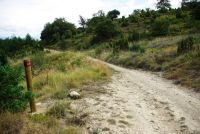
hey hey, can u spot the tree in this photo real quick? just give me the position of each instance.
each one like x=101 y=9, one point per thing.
x=94 y=21
x=113 y=14
x=193 y=6
x=82 y=22
x=184 y=3
x=28 y=39
x=59 y=29
x=163 y=5
x=106 y=30
x=195 y=9
x=16 y=46
x=100 y=13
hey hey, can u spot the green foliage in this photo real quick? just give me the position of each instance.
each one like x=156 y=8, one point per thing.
x=106 y=30
x=163 y=5
x=193 y=6
x=185 y=45
x=12 y=96
x=59 y=110
x=94 y=21
x=124 y=22
x=174 y=29
x=135 y=16
x=160 y=26
x=62 y=44
x=76 y=62
x=181 y=14
x=38 y=60
x=59 y=29
x=38 y=118
x=113 y=14
x=16 y=46
x=134 y=36
x=82 y=22
x=120 y=44
x=3 y=58
x=196 y=11
x=136 y=48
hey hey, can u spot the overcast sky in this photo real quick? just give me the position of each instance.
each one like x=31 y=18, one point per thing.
x=19 y=17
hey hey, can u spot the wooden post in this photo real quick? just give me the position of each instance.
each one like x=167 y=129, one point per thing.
x=27 y=65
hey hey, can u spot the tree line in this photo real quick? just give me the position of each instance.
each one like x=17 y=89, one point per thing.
x=151 y=23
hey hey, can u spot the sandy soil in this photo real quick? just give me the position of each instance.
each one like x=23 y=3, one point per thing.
x=139 y=102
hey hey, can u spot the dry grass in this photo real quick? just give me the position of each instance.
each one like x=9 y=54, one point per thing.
x=11 y=123
x=66 y=71
x=54 y=74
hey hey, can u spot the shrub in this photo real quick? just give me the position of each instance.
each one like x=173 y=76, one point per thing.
x=185 y=45
x=59 y=110
x=12 y=96
x=121 y=43
x=134 y=36
x=174 y=29
x=136 y=48
x=160 y=26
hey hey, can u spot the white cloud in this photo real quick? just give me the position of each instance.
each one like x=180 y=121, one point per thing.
x=19 y=17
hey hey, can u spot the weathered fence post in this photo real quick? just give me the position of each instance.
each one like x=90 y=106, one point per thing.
x=27 y=65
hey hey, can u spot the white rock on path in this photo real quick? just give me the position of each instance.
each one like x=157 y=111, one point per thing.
x=74 y=94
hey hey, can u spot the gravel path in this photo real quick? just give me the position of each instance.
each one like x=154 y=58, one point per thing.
x=140 y=102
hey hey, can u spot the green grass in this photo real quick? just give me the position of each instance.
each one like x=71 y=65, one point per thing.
x=59 y=110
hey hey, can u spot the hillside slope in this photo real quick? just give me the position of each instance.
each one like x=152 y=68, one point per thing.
x=160 y=54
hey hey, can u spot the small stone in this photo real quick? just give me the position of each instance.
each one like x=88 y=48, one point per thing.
x=38 y=104
x=74 y=95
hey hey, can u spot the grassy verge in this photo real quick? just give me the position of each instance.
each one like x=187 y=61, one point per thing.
x=54 y=75
x=159 y=54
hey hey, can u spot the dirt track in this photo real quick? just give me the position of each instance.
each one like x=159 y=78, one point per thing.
x=140 y=102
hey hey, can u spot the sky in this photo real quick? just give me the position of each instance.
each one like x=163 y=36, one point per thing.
x=19 y=17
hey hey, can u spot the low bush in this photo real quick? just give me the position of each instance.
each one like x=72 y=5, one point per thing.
x=59 y=110
x=120 y=44
x=136 y=48
x=160 y=26
x=134 y=36
x=185 y=45
x=12 y=96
